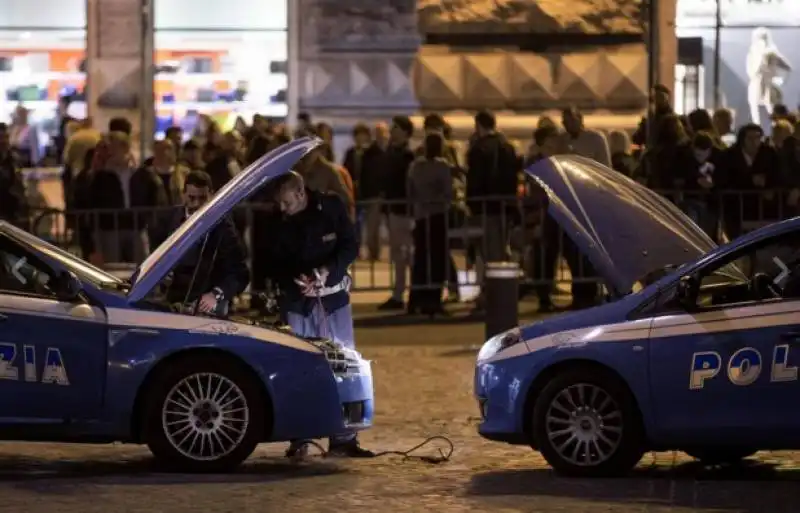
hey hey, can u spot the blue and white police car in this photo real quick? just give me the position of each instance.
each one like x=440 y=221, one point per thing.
x=86 y=357
x=697 y=348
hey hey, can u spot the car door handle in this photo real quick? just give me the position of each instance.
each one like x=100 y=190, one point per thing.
x=144 y=331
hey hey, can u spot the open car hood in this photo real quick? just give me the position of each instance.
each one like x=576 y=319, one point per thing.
x=161 y=261
x=624 y=229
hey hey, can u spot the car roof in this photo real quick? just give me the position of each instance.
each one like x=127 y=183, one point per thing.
x=787 y=225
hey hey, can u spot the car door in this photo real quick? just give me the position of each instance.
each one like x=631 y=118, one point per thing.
x=52 y=351
x=725 y=371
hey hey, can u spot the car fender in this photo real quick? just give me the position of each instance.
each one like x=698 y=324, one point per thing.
x=616 y=356
x=290 y=374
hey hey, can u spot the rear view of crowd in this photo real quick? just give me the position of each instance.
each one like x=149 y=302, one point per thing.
x=729 y=180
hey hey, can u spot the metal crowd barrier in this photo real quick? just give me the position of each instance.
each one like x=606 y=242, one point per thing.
x=454 y=241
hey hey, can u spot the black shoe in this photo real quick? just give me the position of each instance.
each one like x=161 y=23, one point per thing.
x=297 y=450
x=392 y=304
x=351 y=449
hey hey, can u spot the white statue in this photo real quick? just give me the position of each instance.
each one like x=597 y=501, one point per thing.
x=765 y=65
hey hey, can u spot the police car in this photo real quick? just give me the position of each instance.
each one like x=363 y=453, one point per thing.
x=703 y=360
x=86 y=357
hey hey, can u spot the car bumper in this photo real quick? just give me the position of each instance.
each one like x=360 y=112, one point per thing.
x=356 y=396
x=501 y=403
x=319 y=398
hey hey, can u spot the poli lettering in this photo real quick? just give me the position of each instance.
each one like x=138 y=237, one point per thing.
x=744 y=367
x=54 y=371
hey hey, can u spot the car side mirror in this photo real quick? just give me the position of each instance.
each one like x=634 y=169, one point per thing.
x=686 y=292
x=68 y=286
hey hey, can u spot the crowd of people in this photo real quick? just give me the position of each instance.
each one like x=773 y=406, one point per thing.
x=726 y=179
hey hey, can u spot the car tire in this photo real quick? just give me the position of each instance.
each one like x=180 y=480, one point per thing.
x=204 y=414
x=721 y=455
x=586 y=424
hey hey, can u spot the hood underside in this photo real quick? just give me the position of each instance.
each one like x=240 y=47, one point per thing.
x=625 y=230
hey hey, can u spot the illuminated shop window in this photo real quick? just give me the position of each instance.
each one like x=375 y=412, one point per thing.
x=221 y=58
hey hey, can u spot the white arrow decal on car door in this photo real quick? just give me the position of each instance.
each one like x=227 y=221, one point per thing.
x=16 y=268
x=784 y=271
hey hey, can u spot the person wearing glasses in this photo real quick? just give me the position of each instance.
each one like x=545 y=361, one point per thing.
x=214 y=271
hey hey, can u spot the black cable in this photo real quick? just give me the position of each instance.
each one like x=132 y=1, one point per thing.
x=444 y=455
x=194 y=275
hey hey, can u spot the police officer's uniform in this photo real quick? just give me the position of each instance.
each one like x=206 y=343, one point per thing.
x=320 y=236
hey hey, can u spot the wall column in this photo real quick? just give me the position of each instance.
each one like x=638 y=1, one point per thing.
x=293 y=62
x=119 y=66
x=667 y=43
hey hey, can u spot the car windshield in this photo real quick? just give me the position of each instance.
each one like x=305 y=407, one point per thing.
x=730 y=273
x=82 y=269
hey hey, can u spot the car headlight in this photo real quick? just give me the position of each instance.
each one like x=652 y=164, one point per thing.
x=499 y=342
x=342 y=359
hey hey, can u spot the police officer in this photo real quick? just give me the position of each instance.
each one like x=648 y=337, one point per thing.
x=214 y=271
x=311 y=250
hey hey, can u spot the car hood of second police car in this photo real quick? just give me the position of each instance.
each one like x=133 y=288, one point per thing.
x=275 y=163
x=625 y=230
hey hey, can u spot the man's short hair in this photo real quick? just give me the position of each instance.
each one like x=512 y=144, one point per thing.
x=198 y=179
x=290 y=180
x=746 y=129
x=779 y=110
x=783 y=124
x=723 y=114
x=173 y=130
x=433 y=122
x=486 y=120
x=703 y=140
x=120 y=125
x=361 y=129
x=542 y=134
x=405 y=124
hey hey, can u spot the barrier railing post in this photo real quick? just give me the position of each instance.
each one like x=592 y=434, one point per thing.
x=501 y=289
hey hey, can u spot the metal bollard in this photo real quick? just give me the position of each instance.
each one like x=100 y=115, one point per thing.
x=501 y=291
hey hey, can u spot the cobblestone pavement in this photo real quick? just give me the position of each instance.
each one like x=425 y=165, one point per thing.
x=423 y=388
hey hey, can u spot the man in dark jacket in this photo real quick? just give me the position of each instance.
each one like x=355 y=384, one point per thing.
x=370 y=189
x=751 y=169
x=660 y=106
x=492 y=167
x=399 y=157
x=214 y=271
x=12 y=191
x=354 y=156
x=312 y=248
